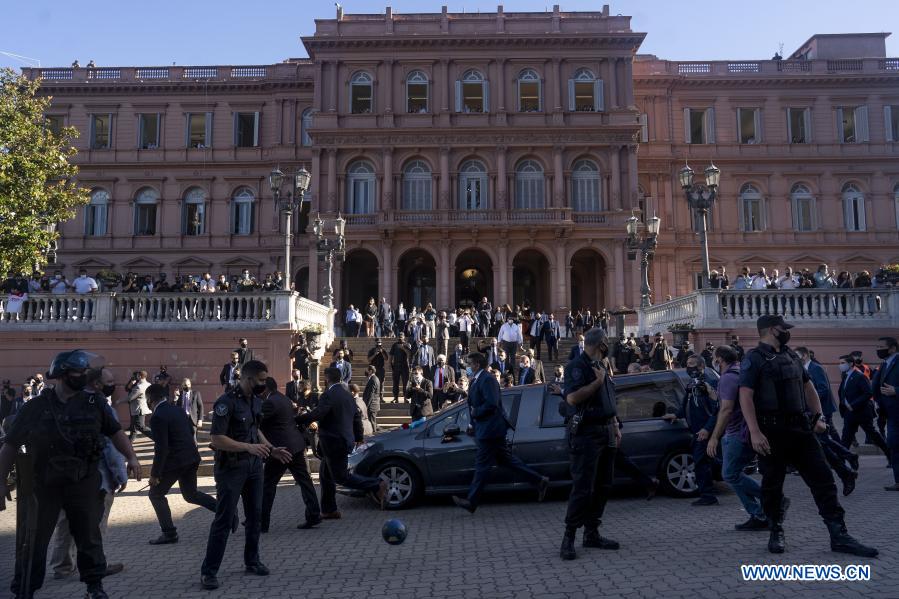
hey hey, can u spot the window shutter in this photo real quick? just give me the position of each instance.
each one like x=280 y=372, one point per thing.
x=807 y=119
x=255 y=129
x=862 y=226
x=888 y=123
x=109 y=138
x=861 y=123
x=789 y=128
x=840 y=137
x=208 y=134
x=158 y=130
x=709 y=126
x=794 y=203
x=644 y=127
x=599 y=98
x=572 y=105
x=486 y=85
x=687 y=138
x=234 y=120
x=847 y=213
x=140 y=130
x=540 y=95
x=458 y=96
x=757 y=117
x=93 y=132
x=187 y=130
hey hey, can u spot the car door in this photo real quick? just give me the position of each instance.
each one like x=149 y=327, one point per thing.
x=450 y=462
x=539 y=438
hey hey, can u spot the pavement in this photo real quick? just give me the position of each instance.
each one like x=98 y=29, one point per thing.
x=509 y=548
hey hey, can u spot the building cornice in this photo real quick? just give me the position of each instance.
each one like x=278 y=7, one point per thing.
x=605 y=136
x=730 y=81
x=630 y=41
x=174 y=87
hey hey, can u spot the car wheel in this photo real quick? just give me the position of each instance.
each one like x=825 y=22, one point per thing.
x=404 y=485
x=678 y=474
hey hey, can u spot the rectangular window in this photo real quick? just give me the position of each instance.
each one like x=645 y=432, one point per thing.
x=148 y=131
x=101 y=129
x=145 y=219
x=360 y=99
x=803 y=210
x=799 y=125
x=246 y=129
x=242 y=219
x=55 y=123
x=640 y=402
x=855 y=213
x=852 y=124
x=473 y=97
x=748 y=121
x=417 y=97
x=891 y=122
x=529 y=96
x=752 y=215
x=199 y=130
x=699 y=125
x=95 y=220
x=583 y=96
x=194 y=218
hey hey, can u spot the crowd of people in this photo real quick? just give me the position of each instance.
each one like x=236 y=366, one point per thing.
x=822 y=278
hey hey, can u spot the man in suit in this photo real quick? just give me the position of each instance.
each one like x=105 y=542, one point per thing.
x=345 y=368
x=293 y=389
x=490 y=422
x=400 y=353
x=485 y=312
x=442 y=334
x=526 y=375
x=379 y=358
x=424 y=358
x=280 y=428
x=137 y=404
x=244 y=353
x=456 y=361
x=537 y=367
x=419 y=394
x=490 y=348
x=576 y=349
x=442 y=375
x=885 y=384
x=371 y=395
x=552 y=334
x=503 y=364
x=228 y=376
x=191 y=401
x=339 y=429
x=855 y=397
x=175 y=458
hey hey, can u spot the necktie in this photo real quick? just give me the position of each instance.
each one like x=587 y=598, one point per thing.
x=440 y=379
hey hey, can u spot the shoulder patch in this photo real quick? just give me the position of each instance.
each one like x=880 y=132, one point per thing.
x=221 y=409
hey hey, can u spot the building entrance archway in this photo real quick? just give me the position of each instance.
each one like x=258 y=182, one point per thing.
x=530 y=280
x=359 y=280
x=474 y=277
x=417 y=279
x=587 y=285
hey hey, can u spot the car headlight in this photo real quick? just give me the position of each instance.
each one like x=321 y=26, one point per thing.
x=359 y=449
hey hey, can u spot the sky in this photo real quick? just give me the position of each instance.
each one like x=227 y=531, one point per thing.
x=228 y=32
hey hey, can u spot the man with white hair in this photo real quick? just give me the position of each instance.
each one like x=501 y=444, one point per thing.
x=443 y=374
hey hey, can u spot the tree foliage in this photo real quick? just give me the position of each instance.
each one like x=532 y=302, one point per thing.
x=37 y=187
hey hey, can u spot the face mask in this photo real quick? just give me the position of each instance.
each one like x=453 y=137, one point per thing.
x=580 y=344
x=883 y=354
x=417 y=378
x=186 y=389
x=108 y=390
x=522 y=365
x=844 y=367
x=469 y=372
x=693 y=372
x=244 y=345
x=783 y=337
x=76 y=382
x=258 y=389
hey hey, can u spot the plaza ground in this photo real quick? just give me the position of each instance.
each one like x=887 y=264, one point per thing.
x=509 y=548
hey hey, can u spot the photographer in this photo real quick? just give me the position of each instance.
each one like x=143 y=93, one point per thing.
x=660 y=355
x=700 y=410
x=593 y=439
x=419 y=393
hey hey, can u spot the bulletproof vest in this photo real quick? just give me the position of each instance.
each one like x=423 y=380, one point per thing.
x=70 y=439
x=780 y=386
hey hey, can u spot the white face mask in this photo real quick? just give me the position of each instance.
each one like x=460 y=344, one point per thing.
x=580 y=344
x=417 y=378
x=523 y=365
x=844 y=367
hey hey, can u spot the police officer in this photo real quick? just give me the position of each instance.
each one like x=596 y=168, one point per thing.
x=776 y=394
x=593 y=439
x=61 y=431
x=240 y=449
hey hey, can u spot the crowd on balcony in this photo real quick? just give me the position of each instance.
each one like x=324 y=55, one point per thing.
x=822 y=278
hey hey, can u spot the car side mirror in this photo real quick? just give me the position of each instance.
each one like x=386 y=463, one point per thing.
x=450 y=433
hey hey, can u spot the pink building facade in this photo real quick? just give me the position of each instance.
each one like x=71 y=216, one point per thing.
x=493 y=154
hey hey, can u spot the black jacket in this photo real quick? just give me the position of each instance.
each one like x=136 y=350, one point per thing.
x=339 y=420
x=372 y=394
x=292 y=391
x=173 y=438
x=279 y=423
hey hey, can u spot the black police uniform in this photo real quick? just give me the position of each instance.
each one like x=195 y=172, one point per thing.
x=237 y=474
x=592 y=448
x=64 y=441
x=778 y=381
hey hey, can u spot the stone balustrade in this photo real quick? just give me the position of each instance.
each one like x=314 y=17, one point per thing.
x=732 y=308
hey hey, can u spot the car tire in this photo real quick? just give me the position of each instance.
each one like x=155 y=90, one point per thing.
x=677 y=474
x=404 y=483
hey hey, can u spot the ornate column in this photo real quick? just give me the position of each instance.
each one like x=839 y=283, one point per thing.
x=444 y=185
x=561 y=284
x=504 y=296
x=331 y=204
x=388 y=86
x=501 y=181
x=558 y=200
x=620 y=297
x=386 y=270
x=632 y=174
x=615 y=178
x=316 y=183
x=387 y=184
x=332 y=101
x=501 y=85
x=318 y=82
x=628 y=82
x=443 y=274
x=608 y=70
x=446 y=91
x=314 y=267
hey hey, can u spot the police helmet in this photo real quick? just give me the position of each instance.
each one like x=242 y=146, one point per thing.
x=76 y=359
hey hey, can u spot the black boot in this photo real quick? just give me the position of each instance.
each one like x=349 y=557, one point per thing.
x=95 y=591
x=776 y=541
x=842 y=542
x=849 y=482
x=567 y=551
x=592 y=538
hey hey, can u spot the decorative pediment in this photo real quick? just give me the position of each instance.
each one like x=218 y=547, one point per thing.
x=806 y=260
x=142 y=263
x=241 y=262
x=92 y=263
x=192 y=263
x=755 y=260
x=859 y=259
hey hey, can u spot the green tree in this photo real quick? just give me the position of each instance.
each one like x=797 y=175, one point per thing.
x=37 y=187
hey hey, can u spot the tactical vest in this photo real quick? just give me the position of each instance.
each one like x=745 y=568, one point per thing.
x=780 y=387
x=71 y=440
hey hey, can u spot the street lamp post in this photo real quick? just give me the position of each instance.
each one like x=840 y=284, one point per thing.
x=330 y=249
x=701 y=197
x=646 y=245
x=287 y=203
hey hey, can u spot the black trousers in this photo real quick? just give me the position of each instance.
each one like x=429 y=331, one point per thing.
x=592 y=454
x=381 y=374
x=463 y=340
x=138 y=423
x=552 y=348
x=495 y=452
x=187 y=482
x=83 y=505
x=333 y=470
x=240 y=480
x=835 y=454
x=862 y=418
x=272 y=473
x=796 y=445
x=626 y=467
x=400 y=380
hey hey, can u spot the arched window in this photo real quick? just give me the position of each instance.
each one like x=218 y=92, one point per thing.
x=305 y=126
x=854 y=207
x=194 y=212
x=242 y=213
x=803 y=204
x=752 y=210
x=416 y=92
x=472 y=92
x=95 y=213
x=585 y=92
x=529 y=186
x=473 y=186
x=417 y=186
x=361 y=93
x=530 y=98
x=360 y=188
x=586 y=191
x=145 y=203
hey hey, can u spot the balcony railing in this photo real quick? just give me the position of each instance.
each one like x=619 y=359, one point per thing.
x=731 y=308
x=774 y=68
x=174 y=73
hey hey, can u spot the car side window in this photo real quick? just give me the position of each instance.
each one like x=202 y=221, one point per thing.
x=438 y=427
x=552 y=411
x=510 y=405
x=649 y=400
